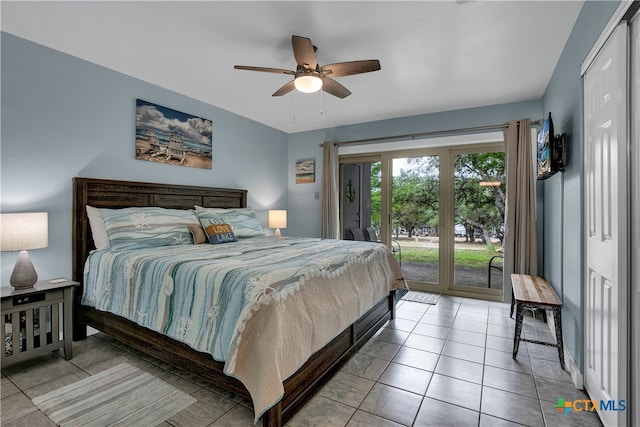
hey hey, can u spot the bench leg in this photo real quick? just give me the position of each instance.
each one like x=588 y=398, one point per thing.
x=557 y=319
x=513 y=301
x=518 y=331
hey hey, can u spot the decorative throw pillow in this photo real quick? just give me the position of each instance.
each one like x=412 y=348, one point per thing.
x=220 y=233
x=198 y=234
x=98 y=229
x=135 y=228
x=243 y=221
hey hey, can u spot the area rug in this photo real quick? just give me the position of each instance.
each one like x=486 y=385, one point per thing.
x=421 y=297
x=121 y=396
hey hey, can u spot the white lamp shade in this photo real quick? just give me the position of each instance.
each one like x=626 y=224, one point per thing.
x=277 y=219
x=24 y=231
x=308 y=83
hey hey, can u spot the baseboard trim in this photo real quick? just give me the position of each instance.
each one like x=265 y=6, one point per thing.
x=576 y=375
x=570 y=364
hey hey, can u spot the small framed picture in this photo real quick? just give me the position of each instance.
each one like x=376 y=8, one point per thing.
x=305 y=171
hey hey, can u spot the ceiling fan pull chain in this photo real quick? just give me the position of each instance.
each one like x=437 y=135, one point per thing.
x=294 y=107
x=321 y=109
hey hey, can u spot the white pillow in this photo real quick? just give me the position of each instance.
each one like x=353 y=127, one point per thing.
x=98 y=229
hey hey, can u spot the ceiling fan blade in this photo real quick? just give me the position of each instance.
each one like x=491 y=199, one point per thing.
x=264 y=69
x=334 y=88
x=284 y=89
x=304 y=53
x=341 y=69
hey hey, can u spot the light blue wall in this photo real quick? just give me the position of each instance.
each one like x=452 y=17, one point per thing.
x=563 y=201
x=304 y=211
x=303 y=217
x=64 y=117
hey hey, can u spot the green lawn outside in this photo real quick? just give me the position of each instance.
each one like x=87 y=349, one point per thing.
x=478 y=258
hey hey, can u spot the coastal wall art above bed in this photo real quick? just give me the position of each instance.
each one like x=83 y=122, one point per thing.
x=168 y=136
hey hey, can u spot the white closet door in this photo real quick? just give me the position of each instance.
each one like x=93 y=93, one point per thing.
x=635 y=217
x=606 y=180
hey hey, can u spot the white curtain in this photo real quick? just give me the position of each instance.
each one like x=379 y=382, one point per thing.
x=520 y=239
x=329 y=199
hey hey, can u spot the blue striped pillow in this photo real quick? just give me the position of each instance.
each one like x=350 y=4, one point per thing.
x=243 y=221
x=135 y=228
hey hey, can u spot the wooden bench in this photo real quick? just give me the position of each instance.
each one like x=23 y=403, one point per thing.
x=535 y=292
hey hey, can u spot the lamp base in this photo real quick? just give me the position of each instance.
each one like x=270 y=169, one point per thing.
x=277 y=233
x=24 y=275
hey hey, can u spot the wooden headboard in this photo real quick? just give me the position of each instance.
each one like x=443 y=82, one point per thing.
x=101 y=193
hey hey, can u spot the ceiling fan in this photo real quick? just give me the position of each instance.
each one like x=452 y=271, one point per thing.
x=310 y=77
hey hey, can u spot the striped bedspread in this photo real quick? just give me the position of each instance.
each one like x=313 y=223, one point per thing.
x=262 y=305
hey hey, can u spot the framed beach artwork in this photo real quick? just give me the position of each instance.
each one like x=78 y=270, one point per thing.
x=305 y=171
x=168 y=136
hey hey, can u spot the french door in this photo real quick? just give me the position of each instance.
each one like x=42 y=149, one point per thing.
x=441 y=210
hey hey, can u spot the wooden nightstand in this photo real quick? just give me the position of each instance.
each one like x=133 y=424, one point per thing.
x=31 y=320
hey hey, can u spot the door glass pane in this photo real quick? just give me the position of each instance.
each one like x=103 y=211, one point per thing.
x=351 y=196
x=479 y=187
x=415 y=216
x=360 y=200
x=376 y=197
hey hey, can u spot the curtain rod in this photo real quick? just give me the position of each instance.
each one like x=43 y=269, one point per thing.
x=432 y=133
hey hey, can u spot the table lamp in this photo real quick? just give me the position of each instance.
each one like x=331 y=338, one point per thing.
x=21 y=232
x=277 y=220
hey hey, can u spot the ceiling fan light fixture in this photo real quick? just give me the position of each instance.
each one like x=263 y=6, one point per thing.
x=308 y=83
x=309 y=76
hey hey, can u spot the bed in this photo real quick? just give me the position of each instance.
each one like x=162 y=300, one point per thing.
x=298 y=386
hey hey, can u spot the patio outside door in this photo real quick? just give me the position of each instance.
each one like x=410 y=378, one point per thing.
x=441 y=210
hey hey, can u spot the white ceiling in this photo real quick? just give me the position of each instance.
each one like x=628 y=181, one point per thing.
x=435 y=55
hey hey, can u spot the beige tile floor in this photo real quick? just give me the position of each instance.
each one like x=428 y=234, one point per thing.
x=434 y=365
